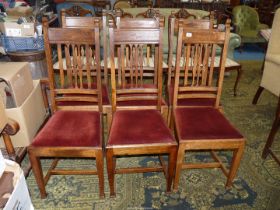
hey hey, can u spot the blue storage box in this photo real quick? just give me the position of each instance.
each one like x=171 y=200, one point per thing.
x=12 y=44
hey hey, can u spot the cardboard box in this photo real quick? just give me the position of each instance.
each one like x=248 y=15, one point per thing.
x=19 y=79
x=30 y=116
x=12 y=28
x=19 y=198
x=20 y=11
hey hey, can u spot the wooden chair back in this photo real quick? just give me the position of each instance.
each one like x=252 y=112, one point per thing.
x=173 y=25
x=78 y=81
x=149 y=13
x=141 y=3
x=182 y=13
x=122 y=14
x=75 y=11
x=115 y=16
x=120 y=4
x=76 y=21
x=129 y=40
x=196 y=50
x=88 y=22
x=78 y=11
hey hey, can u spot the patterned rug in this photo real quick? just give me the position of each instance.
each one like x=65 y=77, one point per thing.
x=257 y=184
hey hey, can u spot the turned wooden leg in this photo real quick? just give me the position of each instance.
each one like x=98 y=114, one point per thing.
x=11 y=128
x=257 y=95
x=9 y=146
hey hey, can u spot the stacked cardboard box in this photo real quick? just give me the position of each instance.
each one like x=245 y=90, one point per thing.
x=29 y=110
x=11 y=28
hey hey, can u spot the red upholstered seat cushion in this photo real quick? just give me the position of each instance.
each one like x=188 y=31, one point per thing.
x=139 y=127
x=203 y=123
x=71 y=129
x=189 y=101
x=105 y=99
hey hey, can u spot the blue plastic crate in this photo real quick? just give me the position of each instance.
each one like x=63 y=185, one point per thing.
x=12 y=44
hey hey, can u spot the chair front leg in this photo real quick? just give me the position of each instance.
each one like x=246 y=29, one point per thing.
x=179 y=162
x=111 y=171
x=100 y=173
x=237 y=155
x=38 y=173
x=171 y=168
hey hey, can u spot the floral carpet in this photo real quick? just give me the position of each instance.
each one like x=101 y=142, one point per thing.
x=257 y=184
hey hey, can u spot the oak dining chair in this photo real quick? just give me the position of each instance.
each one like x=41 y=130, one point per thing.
x=75 y=129
x=138 y=127
x=203 y=129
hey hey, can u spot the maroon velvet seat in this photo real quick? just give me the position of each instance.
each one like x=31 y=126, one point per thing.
x=86 y=123
x=74 y=129
x=132 y=127
x=206 y=123
x=202 y=128
x=138 y=127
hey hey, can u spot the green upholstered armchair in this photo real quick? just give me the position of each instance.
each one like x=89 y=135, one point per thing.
x=247 y=25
